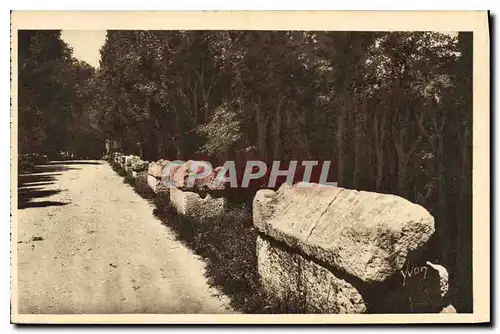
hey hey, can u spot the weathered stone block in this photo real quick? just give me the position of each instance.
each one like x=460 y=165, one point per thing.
x=131 y=160
x=364 y=249
x=156 y=184
x=140 y=166
x=448 y=309
x=151 y=181
x=117 y=157
x=368 y=235
x=128 y=169
x=202 y=180
x=156 y=168
x=296 y=284
x=193 y=205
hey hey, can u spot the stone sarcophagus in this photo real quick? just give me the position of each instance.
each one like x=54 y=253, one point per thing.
x=156 y=184
x=325 y=249
x=117 y=157
x=129 y=162
x=192 y=205
x=155 y=175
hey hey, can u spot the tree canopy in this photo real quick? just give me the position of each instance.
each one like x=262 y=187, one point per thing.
x=391 y=110
x=55 y=96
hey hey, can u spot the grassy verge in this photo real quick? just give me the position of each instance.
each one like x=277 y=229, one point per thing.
x=226 y=243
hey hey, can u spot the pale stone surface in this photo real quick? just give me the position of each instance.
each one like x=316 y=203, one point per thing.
x=152 y=181
x=156 y=184
x=365 y=234
x=156 y=168
x=303 y=286
x=210 y=182
x=155 y=176
x=117 y=157
x=191 y=204
x=296 y=283
x=371 y=242
x=140 y=166
x=131 y=159
x=448 y=309
x=172 y=171
x=443 y=277
x=263 y=206
x=180 y=175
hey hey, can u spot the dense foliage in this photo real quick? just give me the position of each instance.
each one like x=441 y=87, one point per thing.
x=55 y=97
x=391 y=110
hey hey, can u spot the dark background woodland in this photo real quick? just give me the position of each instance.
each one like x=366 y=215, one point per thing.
x=391 y=110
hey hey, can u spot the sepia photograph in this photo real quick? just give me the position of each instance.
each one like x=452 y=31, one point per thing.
x=213 y=165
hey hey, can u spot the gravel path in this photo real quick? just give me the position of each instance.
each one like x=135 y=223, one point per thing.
x=88 y=244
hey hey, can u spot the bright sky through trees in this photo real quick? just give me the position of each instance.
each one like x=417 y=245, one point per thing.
x=86 y=44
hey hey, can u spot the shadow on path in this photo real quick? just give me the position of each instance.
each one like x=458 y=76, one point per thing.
x=75 y=162
x=32 y=185
x=42 y=204
x=39 y=169
x=27 y=180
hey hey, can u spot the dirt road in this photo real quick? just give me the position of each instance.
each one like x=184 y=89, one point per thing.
x=88 y=244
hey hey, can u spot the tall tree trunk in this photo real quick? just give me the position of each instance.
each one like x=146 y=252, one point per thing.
x=177 y=135
x=402 y=161
x=464 y=222
x=402 y=175
x=340 y=143
x=160 y=151
x=380 y=132
x=444 y=224
x=357 y=145
x=262 y=121
x=277 y=130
